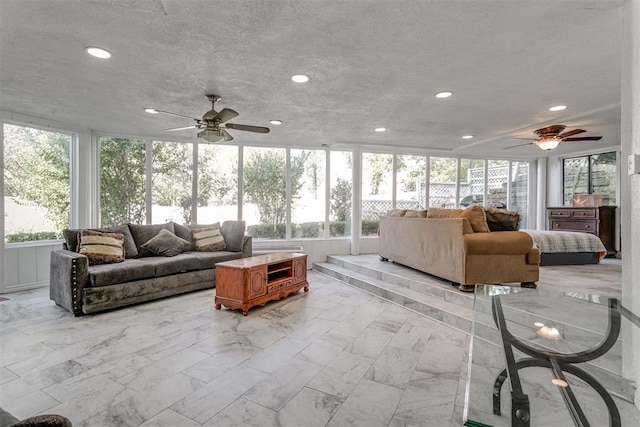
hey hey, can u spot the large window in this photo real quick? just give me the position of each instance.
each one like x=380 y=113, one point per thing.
x=519 y=199
x=217 y=183
x=122 y=181
x=265 y=191
x=442 y=182
x=308 y=194
x=171 y=182
x=341 y=167
x=377 y=190
x=594 y=174
x=411 y=179
x=472 y=182
x=37 y=189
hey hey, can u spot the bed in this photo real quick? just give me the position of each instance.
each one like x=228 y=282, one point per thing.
x=567 y=247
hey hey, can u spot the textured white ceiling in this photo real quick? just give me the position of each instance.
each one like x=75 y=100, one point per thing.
x=372 y=63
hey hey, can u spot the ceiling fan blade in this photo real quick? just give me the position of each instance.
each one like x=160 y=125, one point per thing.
x=571 y=133
x=176 y=114
x=584 y=138
x=225 y=115
x=519 y=145
x=248 y=128
x=181 y=128
x=227 y=135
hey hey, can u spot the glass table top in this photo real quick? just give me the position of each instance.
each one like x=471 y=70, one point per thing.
x=544 y=358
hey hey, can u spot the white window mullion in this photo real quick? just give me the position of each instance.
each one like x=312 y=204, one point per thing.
x=240 y=180
x=287 y=180
x=327 y=195
x=148 y=159
x=194 y=185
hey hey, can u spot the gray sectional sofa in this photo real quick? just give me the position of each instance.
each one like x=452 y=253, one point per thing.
x=143 y=276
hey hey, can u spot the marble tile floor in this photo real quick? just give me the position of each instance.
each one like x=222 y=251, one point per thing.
x=335 y=356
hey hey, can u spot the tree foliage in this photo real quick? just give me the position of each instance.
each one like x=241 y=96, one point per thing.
x=37 y=171
x=265 y=182
x=341 y=200
x=122 y=181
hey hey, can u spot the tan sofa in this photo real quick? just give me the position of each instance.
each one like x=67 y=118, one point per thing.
x=448 y=248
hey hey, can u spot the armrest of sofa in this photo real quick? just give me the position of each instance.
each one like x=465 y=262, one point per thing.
x=247 y=246
x=502 y=243
x=68 y=275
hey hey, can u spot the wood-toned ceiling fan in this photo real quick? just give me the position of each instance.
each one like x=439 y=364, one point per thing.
x=550 y=137
x=211 y=122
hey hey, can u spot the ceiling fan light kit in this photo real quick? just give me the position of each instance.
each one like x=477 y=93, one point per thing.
x=210 y=124
x=548 y=143
x=211 y=135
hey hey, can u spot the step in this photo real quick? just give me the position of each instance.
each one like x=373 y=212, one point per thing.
x=454 y=315
x=397 y=274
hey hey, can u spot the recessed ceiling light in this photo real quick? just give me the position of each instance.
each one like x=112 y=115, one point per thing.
x=300 y=78
x=558 y=108
x=151 y=110
x=98 y=53
x=467 y=137
x=380 y=129
x=444 y=94
x=275 y=122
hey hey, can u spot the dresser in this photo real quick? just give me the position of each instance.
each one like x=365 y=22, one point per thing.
x=600 y=221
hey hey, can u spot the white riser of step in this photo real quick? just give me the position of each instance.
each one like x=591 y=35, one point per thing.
x=438 y=288
x=432 y=307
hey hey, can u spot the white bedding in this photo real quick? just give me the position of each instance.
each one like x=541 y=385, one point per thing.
x=549 y=241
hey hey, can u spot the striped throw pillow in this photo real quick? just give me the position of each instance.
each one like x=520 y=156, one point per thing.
x=209 y=238
x=100 y=247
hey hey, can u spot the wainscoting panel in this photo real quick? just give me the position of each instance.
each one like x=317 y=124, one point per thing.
x=26 y=266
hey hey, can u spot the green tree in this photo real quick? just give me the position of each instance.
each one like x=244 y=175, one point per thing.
x=172 y=176
x=341 y=200
x=265 y=182
x=381 y=165
x=122 y=181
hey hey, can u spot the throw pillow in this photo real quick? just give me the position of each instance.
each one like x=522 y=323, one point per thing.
x=209 y=239
x=502 y=219
x=101 y=248
x=477 y=218
x=71 y=238
x=166 y=243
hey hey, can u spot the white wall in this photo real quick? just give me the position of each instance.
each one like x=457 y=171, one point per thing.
x=630 y=189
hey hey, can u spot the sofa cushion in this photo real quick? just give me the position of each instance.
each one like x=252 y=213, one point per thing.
x=397 y=212
x=166 y=243
x=233 y=233
x=209 y=239
x=502 y=219
x=127 y=271
x=165 y=266
x=184 y=232
x=143 y=233
x=209 y=259
x=500 y=243
x=477 y=218
x=443 y=213
x=415 y=213
x=101 y=248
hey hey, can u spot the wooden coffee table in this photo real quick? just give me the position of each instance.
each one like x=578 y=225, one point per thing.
x=247 y=282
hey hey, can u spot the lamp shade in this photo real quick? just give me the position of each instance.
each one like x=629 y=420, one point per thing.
x=211 y=135
x=548 y=142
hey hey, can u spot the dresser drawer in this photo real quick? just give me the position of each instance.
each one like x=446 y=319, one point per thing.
x=584 y=226
x=559 y=213
x=584 y=213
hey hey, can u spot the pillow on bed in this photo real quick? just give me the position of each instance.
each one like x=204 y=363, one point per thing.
x=502 y=219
